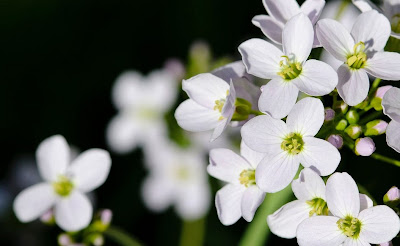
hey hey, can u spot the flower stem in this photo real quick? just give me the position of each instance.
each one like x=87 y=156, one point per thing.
x=370 y=117
x=121 y=237
x=385 y=159
x=192 y=233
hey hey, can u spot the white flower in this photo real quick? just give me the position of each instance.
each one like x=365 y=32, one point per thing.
x=241 y=196
x=177 y=177
x=281 y=12
x=64 y=185
x=309 y=189
x=361 y=52
x=348 y=225
x=210 y=107
x=289 y=70
x=391 y=107
x=289 y=144
x=142 y=103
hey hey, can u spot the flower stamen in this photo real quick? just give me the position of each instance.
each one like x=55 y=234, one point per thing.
x=350 y=226
x=358 y=59
x=319 y=206
x=289 y=69
x=293 y=143
x=248 y=177
x=63 y=186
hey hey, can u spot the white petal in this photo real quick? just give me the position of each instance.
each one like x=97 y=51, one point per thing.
x=306 y=117
x=193 y=201
x=275 y=172
x=123 y=133
x=365 y=202
x=196 y=118
x=317 y=78
x=284 y=221
x=228 y=203
x=74 y=212
x=261 y=58
x=319 y=155
x=313 y=9
x=393 y=135
x=161 y=87
x=127 y=89
x=253 y=157
x=157 y=193
x=52 y=157
x=220 y=128
x=334 y=38
x=308 y=186
x=231 y=71
x=391 y=8
x=278 y=97
x=342 y=195
x=90 y=169
x=363 y=5
x=379 y=224
x=384 y=65
x=226 y=165
x=373 y=29
x=282 y=10
x=355 y=242
x=330 y=60
x=391 y=103
x=353 y=85
x=205 y=88
x=34 y=201
x=264 y=134
x=320 y=230
x=298 y=37
x=251 y=200
x=271 y=27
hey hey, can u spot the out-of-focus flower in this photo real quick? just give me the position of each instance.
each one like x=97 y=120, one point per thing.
x=365 y=146
x=64 y=185
x=391 y=107
x=142 y=103
x=289 y=71
x=176 y=68
x=348 y=224
x=241 y=197
x=336 y=140
x=289 y=144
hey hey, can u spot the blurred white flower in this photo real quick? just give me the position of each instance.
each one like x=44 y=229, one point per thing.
x=65 y=184
x=142 y=103
x=348 y=224
x=391 y=107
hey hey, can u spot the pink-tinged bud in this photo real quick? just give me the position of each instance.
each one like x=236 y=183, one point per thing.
x=336 y=140
x=386 y=244
x=376 y=127
x=380 y=92
x=106 y=216
x=175 y=67
x=329 y=114
x=47 y=217
x=64 y=239
x=365 y=146
x=393 y=194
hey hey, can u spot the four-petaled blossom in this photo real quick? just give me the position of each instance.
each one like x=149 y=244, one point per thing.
x=348 y=224
x=241 y=197
x=289 y=71
x=361 y=52
x=391 y=107
x=289 y=144
x=64 y=185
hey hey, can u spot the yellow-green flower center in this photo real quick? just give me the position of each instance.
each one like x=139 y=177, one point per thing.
x=147 y=113
x=219 y=104
x=182 y=173
x=293 y=143
x=63 y=186
x=395 y=23
x=350 y=226
x=358 y=59
x=289 y=69
x=318 y=207
x=248 y=177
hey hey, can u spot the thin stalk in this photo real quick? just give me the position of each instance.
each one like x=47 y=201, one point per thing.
x=385 y=159
x=370 y=117
x=193 y=233
x=121 y=237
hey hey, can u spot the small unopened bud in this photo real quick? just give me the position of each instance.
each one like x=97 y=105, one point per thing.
x=386 y=244
x=96 y=239
x=392 y=197
x=376 y=127
x=336 y=140
x=341 y=125
x=329 y=114
x=380 y=92
x=365 y=146
x=242 y=110
x=352 y=116
x=376 y=102
x=64 y=239
x=354 y=131
x=175 y=67
x=48 y=217
x=341 y=106
x=106 y=216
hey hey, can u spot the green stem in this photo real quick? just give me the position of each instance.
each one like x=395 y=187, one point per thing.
x=375 y=84
x=121 y=237
x=255 y=112
x=370 y=117
x=385 y=159
x=192 y=233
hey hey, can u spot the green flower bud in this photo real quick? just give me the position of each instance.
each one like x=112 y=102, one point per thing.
x=341 y=106
x=354 y=131
x=242 y=110
x=375 y=127
x=341 y=125
x=352 y=116
x=392 y=197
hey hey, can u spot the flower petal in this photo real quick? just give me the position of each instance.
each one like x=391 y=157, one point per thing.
x=319 y=155
x=313 y=9
x=253 y=157
x=52 y=157
x=251 y=200
x=271 y=27
x=231 y=71
x=278 y=98
x=74 y=212
x=261 y=58
x=393 y=135
x=365 y=202
x=284 y=221
x=391 y=103
x=353 y=85
x=264 y=134
x=127 y=89
x=298 y=37
x=355 y=242
x=228 y=203
x=373 y=29
x=364 y=5
x=193 y=201
x=317 y=78
x=157 y=193
x=335 y=38
x=34 y=201
x=384 y=65
x=308 y=186
x=123 y=133
x=320 y=230
x=282 y=11
x=342 y=195
x=306 y=117
x=275 y=172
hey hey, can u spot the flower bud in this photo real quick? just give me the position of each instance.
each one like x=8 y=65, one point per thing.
x=341 y=125
x=386 y=244
x=376 y=127
x=95 y=239
x=352 y=116
x=64 y=239
x=341 y=107
x=376 y=102
x=175 y=67
x=365 y=146
x=354 y=131
x=392 y=197
x=329 y=114
x=48 y=217
x=106 y=216
x=336 y=140
x=242 y=110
